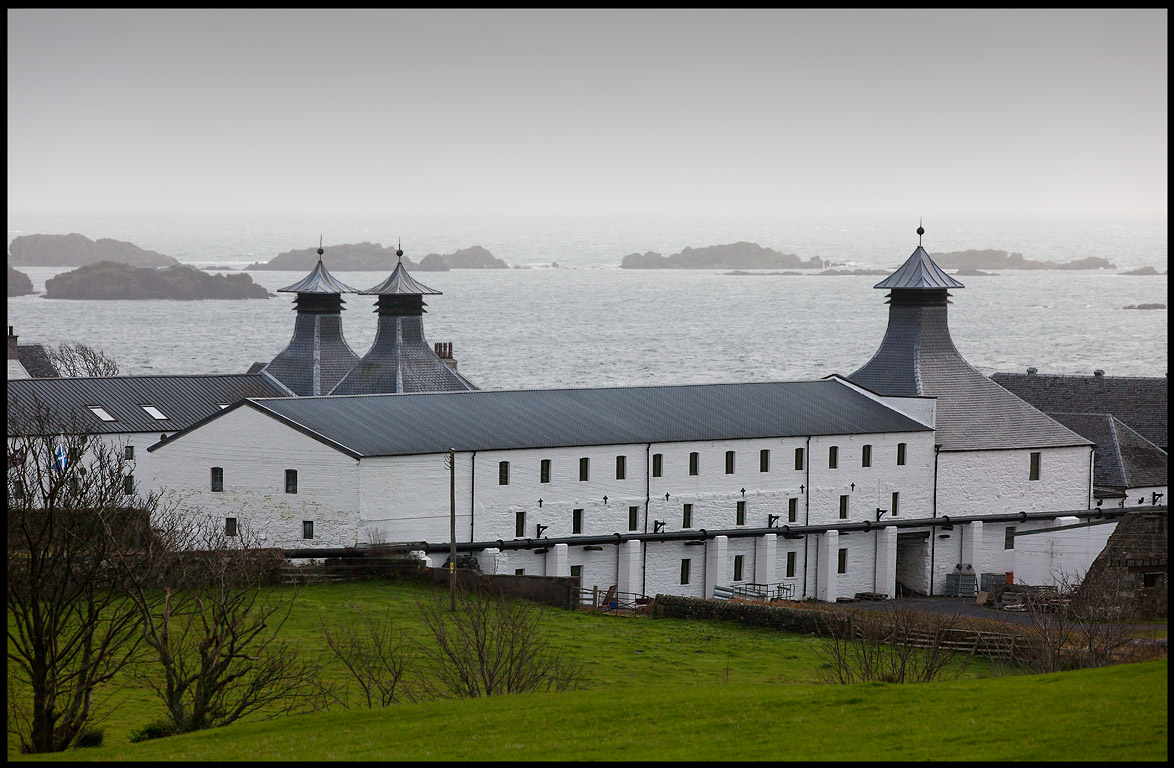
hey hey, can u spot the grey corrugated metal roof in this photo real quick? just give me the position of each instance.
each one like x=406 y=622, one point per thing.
x=391 y=425
x=1139 y=401
x=918 y=357
x=318 y=281
x=400 y=283
x=1124 y=458
x=400 y=360
x=183 y=399
x=919 y=271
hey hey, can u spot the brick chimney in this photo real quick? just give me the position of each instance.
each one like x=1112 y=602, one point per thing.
x=444 y=352
x=11 y=344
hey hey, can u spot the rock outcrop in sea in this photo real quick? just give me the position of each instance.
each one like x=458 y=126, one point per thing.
x=18 y=283
x=74 y=250
x=740 y=255
x=1147 y=270
x=110 y=280
x=373 y=257
x=474 y=257
x=993 y=259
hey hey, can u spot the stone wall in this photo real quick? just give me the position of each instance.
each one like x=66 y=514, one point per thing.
x=1137 y=549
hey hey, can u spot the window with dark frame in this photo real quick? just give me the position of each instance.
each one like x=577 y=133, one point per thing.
x=792 y=510
x=217 y=479
x=307 y=529
x=576 y=521
x=738 y=567
x=503 y=473
x=798 y=458
x=1033 y=471
x=843 y=507
x=230 y=526
x=740 y=516
x=657 y=461
x=584 y=465
x=833 y=457
x=519 y=525
x=577 y=573
x=633 y=518
x=694 y=462
x=544 y=471
x=687 y=516
x=729 y=462
x=866 y=456
x=790 y=565
x=900 y=454
x=128 y=484
x=842 y=565
x=621 y=467
x=129 y=453
x=895 y=504
x=1009 y=538
x=519 y=571
x=764 y=460
x=291 y=481
x=684 y=571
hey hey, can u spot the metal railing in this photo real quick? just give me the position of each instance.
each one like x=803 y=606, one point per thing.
x=610 y=599
x=782 y=590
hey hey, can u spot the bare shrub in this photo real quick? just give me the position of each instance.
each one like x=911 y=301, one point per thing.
x=1103 y=608
x=375 y=654
x=491 y=645
x=81 y=360
x=895 y=645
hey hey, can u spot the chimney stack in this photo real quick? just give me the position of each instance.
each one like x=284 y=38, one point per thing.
x=444 y=352
x=1098 y=373
x=11 y=344
x=1032 y=371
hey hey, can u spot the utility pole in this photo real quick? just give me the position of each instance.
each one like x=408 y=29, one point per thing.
x=452 y=531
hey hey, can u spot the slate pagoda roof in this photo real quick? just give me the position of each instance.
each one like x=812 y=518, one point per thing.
x=318 y=281
x=400 y=283
x=919 y=272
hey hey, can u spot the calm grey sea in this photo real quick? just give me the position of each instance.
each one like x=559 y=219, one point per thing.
x=589 y=323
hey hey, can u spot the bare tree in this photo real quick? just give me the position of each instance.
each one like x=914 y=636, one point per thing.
x=491 y=645
x=1103 y=608
x=80 y=360
x=70 y=512
x=896 y=644
x=376 y=656
x=214 y=632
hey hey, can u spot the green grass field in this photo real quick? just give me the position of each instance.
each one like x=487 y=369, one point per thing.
x=670 y=689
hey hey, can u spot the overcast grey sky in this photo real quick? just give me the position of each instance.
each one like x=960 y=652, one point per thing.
x=522 y=112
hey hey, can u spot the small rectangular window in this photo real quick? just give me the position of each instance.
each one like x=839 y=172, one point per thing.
x=729 y=462
x=738 y=567
x=900 y=454
x=657 y=461
x=291 y=481
x=230 y=526
x=792 y=510
x=694 y=462
x=584 y=465
x=519 y=571
x=798 y=458
x=1033 y=472
x=576 y=521
x=101 y=413
x=833 y=457
x=128 y=484
x=1009 y=538
x=503 y=473
x=155 y=412
x=790 y=565
x=307 y=529
x=843 y=507
x=687 y=516
x=577 y=573
x=217 y=479
x=842 y=566
x=544 y=471
x=633 y=518
x=684 y=571
x=128 y=453
x=519 y=524
x=866 y=456
x=621 y=467
x=764 y=460
x=740 y=518
x=895 y=504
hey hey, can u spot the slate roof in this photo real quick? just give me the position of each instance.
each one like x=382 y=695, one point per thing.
x=391 y=425
x=1140 y=402
x=400 y=283
x=35 y=359
x=400 y=360
x=183 y=399
x=316 y=358
x=1124 y=459
x=919 y=271
x=318 y=281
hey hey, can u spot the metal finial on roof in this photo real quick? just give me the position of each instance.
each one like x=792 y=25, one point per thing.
x=320 y=251
x=920 y=231
x=399 y=251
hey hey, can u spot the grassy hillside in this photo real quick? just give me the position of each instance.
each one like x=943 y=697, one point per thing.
x=1117 y=713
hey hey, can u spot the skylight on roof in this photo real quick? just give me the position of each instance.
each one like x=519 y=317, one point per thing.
x=222 y=406
x=158 y=414
x=100 y=412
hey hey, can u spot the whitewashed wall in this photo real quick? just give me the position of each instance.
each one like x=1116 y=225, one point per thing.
x=996 y=482
x=1044 y=558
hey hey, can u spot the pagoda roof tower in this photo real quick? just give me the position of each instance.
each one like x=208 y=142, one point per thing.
x=917 y=357
x=317 y=356
x=400 y=358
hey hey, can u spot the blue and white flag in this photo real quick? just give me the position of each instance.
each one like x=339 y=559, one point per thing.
x=60 y=459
